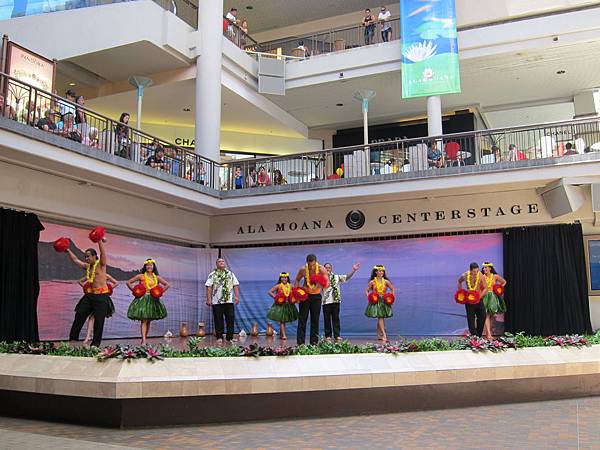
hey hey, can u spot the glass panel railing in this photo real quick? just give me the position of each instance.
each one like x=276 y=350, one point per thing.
x=9 y=9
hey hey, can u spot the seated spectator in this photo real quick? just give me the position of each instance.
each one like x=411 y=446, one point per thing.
x=28 y=115
x=91 y=140
x=569 y=150
x=238 y=178
x=157 y=161
x=251 y=179
x=263 y=178
x=68 y=128
x=514 y=154
x=7 y=110
x=278 y=178
x=435 y=157
x=122 y=136
x=47 y=123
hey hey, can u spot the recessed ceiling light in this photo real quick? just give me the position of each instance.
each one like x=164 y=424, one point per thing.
x=249 y=7
x=339 y=104
x=560 y=72
x=187 y=109
x=72 y=83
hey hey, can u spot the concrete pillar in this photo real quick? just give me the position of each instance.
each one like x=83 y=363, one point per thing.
x=434 y=116
x=208 y=79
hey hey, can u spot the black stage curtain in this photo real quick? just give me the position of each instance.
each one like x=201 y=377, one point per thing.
x=547 y=291
x=19 y=282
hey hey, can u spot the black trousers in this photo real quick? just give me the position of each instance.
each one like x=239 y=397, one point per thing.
x=227 y=311
x=475 y=313
x=311 y=305
x=331 y=316
x=91 y=303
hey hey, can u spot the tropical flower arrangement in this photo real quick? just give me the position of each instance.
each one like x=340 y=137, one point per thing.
x=157 y=353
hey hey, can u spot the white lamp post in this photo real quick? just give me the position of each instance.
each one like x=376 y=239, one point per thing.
x=364 y=95
x=139 y=83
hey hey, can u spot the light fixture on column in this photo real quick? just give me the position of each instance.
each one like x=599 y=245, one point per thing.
x=364 y=96
x=139 y=83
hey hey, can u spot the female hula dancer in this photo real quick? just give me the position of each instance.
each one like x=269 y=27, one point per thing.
x=493 y=303
x=110 y=311
x=380 y=310
x=147 y=308
x=285 y=312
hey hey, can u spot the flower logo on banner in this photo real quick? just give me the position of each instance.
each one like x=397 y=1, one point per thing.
x=420 y=51
x=427 y=74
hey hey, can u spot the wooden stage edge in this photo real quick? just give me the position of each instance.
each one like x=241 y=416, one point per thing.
x=181 y=391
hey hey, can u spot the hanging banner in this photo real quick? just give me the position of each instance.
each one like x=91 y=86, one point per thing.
x=429 y=48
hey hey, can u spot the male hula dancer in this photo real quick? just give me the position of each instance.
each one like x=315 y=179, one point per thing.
x=98 y=302
x=222 y=292
x=332 y=297
x=312 y=304
x=475 y=281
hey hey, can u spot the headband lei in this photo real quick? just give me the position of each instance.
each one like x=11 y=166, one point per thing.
x=379 y=267
x=149 y=261
x=284 y=274
x=488 y=265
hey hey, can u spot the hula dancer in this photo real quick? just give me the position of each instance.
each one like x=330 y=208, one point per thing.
x=475 y=282
x=110 y=312
x=492 y=302
x=222 y=292
x=147 y=307
x=97 y=302
x=332 y=297
x=315 y=277
x=282 y=311
x=377 y=289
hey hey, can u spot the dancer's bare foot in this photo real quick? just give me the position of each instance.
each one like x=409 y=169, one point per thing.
x=219 y=341
x=143 y=342
x=328 y=339
x=339 y=339
x=87 y=341
x=283 y=337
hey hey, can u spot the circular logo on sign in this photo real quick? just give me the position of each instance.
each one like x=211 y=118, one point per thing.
x=355 y=220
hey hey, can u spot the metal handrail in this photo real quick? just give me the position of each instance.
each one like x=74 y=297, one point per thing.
x=33 y=106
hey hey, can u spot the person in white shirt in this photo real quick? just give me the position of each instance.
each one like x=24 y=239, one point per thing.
x=222 y=292
x=332 y=297
x=384 y=21
x=231 y=16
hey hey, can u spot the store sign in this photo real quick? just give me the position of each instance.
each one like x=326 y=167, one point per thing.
x=30 y=68
x=429 y=48
x=458 y=213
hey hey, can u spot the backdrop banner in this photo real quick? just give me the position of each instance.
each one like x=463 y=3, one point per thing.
x=429 y=48
x=184 y=267
x=424 y=271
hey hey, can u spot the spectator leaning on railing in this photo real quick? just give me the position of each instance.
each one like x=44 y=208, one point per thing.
x=231 y=16
x=157 y=161
x=384 y=20
x=122 y=136
x=68 y=128
x=79 y=114
x=369 y=24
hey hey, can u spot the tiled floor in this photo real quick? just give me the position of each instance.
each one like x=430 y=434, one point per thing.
x=563 y=424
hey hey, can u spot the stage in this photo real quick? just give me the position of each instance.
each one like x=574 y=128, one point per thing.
x=178 y=391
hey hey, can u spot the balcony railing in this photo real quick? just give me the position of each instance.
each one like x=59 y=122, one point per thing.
x=329 y=41
x=55 y=115
x=236 y=35
x=426 y=155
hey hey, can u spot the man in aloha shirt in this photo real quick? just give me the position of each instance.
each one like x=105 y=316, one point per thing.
x=222 y=292
x=332 y=297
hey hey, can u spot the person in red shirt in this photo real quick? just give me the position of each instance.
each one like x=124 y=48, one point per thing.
x=514 y=154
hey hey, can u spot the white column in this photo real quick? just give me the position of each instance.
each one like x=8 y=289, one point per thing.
x=208 y=79
x=434 y=116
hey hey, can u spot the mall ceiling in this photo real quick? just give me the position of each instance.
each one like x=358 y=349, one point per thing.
x=268 y=14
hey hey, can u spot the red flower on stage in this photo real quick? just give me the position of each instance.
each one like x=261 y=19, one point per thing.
x=373 y=298
x=473 y=297
x=157 y=291
x=87 y=288
x=97 y=234
x=280 y=299
x=498 y=290
x=461 y=296
x=62 y=244
x=389 y=298
x=299 y=295
x=139 y=290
